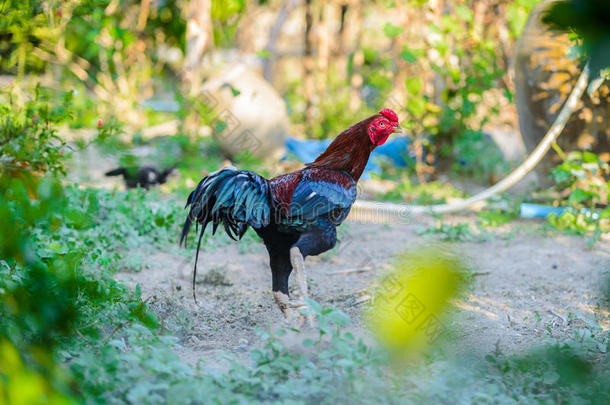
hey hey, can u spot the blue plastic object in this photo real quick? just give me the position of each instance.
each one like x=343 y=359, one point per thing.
x=539 y=211
x=396 y=151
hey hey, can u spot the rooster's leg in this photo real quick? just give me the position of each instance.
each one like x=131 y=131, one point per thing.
x=319 y=239
x=281 y=267
x=298 y=265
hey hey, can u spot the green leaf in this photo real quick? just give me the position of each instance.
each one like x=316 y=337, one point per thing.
x=589 y=157
x=550 y=377
x=414 y=85
x=339 y=318
x=464 y=13
x=392 y=30
x=221 y=126
x=314 y=306
x=235 y=92
x=263 y=53
x=308 y=342
x=416 y=106
x=579 y=195
x=408 y=56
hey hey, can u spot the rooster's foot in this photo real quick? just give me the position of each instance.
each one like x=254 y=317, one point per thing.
x=291 y=310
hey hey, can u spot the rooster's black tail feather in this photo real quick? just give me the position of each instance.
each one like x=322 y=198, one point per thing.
x=235 y=198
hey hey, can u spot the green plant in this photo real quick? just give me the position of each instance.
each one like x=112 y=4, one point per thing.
x=24 y=25
x=499 y=213
x=226 y=16
x=109 y=48
x=461 y=232
x=517 y=13
x=136 y=365
x=566 y=371
x=583 y=184
x=588 y=20
x=434 y=192
x=49 y=292
x=28 y=138
x=461 y=55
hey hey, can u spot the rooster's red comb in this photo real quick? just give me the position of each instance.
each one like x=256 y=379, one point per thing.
x=389 y=114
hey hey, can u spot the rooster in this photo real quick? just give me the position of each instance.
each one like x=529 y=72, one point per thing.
x=295 y=214
x=145 y=176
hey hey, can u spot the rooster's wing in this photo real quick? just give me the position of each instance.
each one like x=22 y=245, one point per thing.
x=319 y=194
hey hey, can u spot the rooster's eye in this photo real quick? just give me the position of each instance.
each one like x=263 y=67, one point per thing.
x=381 y=124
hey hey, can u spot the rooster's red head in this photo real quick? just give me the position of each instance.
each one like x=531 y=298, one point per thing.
x=350 y=150
x=382 y=126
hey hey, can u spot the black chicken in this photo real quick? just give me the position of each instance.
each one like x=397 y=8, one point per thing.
x=144 y=176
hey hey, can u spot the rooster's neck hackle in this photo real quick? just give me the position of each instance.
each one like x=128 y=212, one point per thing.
x=349 y=152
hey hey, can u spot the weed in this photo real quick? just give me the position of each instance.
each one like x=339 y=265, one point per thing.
x=582 y=184
x=460 y=232
x=435 y=192
x=500 y=212
x=216 y=277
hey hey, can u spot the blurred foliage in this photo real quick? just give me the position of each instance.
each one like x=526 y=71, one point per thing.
x=113 y=47
x=25 y=24
x=517 y=13
x=443 y=69
x=582 y=182
x=38 y=298
x=28 y=138
x=573 y=370
x=462 y=54
x=434 y=192
x=100 y=33
x=50 y=288
x=589 y=20
x=414 y=296
x=330 y=111
x=226 y=15
x=500 y=211
x=451 y=232
x=446 y=74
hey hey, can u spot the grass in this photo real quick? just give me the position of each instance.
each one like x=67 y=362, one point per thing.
x=459 y=232
x=435 y=192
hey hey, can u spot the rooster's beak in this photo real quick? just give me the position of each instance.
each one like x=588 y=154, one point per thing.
x=397 y=128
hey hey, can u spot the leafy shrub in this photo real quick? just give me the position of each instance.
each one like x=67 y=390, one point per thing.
x=583 y=184
x=28 y=138
x=24 y=25
x=48 y=293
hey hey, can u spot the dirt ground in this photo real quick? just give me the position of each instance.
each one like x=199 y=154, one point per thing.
x=526 y=284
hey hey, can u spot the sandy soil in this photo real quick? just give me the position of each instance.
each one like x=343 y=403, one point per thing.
x=527 y=282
